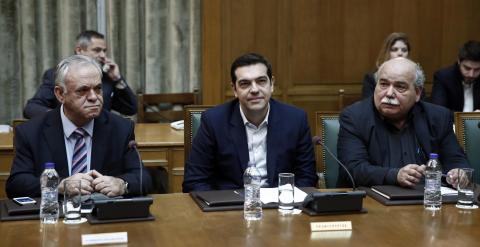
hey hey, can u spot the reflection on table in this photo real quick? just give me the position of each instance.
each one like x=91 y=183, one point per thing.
x=179 y=222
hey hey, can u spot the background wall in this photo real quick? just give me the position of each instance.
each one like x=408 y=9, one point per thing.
x=155 y=42
x=317 y=47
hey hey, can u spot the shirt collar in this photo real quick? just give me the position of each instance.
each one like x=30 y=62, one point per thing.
x=69 y=127
x=245 y=120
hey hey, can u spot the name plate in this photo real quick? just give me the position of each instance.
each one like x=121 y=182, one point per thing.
x=330 y=226
x=104 y=238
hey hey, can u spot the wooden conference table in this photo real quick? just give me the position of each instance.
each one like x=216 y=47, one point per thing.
x=179 y=222
x=158 y=143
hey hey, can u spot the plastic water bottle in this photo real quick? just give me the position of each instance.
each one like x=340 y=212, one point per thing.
x=49 y=184
x=432 y=199
x=252 y=207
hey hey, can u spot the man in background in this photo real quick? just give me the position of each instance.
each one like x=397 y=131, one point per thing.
x=84 y=141
x=253 y=127
x=117 y=94
x=457 y=86
x=387 y=138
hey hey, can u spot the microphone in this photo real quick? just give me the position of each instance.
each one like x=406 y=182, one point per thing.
x=320 y=203
x=133 y=145
x=318 y=140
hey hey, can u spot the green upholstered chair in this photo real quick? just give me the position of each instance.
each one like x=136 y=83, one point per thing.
x=327 y=127
x=468 y=135
x=193 y=114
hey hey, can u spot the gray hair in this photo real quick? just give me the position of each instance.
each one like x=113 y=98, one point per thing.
x=75 y=60
x=419 y=75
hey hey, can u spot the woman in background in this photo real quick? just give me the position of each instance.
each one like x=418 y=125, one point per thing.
x=395 y=45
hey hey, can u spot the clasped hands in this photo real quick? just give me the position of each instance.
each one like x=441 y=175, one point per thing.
x=93 y=181
x=411 y=174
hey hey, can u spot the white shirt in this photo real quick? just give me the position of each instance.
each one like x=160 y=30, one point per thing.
x=257 y=144
x=468 y=97
x=68 y=129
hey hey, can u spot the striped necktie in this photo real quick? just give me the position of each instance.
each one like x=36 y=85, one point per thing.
x=79 y=158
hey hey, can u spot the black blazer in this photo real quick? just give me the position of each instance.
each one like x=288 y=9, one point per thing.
x=448 y=89
x=362 y=142
x=123 y=101
x=41 y=140
x=219 y=153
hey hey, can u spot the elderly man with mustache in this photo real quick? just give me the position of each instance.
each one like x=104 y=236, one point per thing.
x=387 y=138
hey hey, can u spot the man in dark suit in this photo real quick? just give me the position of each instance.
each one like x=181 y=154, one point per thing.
x=253 y=127
x=85 y=142
x=117 y=94
x=387 y=139
x=457 y=87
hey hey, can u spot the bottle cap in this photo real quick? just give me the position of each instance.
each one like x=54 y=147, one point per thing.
x=49 y=165
x=433 y=156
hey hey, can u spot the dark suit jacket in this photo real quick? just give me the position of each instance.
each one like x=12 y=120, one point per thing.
x=41 y=140
x=369 y=84
x=123 y=101
x=219 y=153
x=448 y=89
x=362 y=142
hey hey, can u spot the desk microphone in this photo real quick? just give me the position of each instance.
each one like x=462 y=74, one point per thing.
x=318 y=203
x=133 y=145
x=318 y=140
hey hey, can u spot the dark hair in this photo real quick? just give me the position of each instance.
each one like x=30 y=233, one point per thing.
x=470 y=51
x=84 y=39
x=249 y=59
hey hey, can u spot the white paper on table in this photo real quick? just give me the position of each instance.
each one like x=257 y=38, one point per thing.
x=448 y=191
x=4 y=128
x=268 y=195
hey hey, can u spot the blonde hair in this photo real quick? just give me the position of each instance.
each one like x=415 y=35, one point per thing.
x=384 y=54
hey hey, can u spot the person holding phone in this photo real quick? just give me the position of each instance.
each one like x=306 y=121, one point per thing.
x=117 y=94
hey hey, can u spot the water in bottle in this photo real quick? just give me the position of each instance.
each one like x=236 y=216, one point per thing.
x=49 y=185
x=433 y=175
x=252 y=207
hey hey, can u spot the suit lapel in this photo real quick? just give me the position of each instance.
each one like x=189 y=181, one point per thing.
x=54 y=136
x=422 y=131
x=380 y=132
x=99 y=141
x=239 y=136
x=274 y=131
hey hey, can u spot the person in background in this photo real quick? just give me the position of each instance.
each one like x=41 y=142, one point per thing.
x=395 y=45
x=252 y=127
x=117 y=94
x=84 y=141
x=457 y=87
x=387 y=139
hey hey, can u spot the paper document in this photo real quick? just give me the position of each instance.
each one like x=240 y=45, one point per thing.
x=4 y=128
x=268 y=195
x=448 y=191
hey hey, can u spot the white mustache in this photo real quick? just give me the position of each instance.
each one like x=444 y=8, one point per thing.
x=390 y=101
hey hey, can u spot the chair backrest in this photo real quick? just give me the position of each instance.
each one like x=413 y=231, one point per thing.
x=193 y=114
x=149 y=108
x=468 y=135
x=345 y=100
x=327 y=127
x=15 y=123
